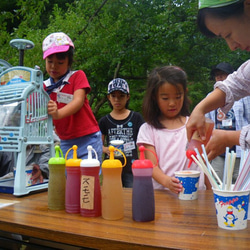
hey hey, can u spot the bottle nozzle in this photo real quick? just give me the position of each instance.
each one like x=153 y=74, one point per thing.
x=74 y=152
x=189 y=153
x=111 y=149
x=89 y=148
x=141 y=149
x=190 y=162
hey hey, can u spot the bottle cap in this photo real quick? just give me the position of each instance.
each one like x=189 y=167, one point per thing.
x=90 y=162
x=57 y=159
x=111 y=162
x=142 y=162
x=74 y=162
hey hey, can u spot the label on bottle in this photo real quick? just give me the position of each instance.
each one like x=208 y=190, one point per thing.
x=87 y=192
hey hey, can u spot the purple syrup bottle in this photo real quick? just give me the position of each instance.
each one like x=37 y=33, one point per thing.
x=143 y=202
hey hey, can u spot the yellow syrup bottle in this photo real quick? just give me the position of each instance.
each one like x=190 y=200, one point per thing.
x=112 y=192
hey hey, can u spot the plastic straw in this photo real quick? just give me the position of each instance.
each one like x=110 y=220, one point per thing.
x=242 y=159
x=204 y=168
x=206 y=158
x=243 y=156
x=230 y=170
x=215 y=174
x=225 y=168
x=244 y=174
x=247 y=185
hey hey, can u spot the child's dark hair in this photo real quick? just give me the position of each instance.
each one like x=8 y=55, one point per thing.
x=63 y=55
x=159 y=76
x=223 y=13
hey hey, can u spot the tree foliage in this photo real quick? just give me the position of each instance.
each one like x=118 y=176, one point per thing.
x=118 y=38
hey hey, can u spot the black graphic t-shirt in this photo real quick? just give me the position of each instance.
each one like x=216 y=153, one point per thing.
x=125 y=130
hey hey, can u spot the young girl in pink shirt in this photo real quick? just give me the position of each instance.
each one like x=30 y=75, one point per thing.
x=166 y=111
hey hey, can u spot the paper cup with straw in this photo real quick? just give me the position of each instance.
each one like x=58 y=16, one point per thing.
x=231 y=208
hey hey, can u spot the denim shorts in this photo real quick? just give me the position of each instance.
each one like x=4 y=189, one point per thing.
x=95 y=140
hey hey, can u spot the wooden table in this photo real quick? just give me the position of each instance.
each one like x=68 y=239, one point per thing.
x=178 y=225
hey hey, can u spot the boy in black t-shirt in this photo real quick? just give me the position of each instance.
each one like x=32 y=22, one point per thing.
x=121 y=124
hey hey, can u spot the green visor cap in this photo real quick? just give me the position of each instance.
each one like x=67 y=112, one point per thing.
x=215 y=3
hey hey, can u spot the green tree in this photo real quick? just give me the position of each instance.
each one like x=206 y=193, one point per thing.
x=119 y=38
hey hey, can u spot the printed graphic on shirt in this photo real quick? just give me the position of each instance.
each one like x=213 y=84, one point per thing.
x=225 y=121
x=124 y=134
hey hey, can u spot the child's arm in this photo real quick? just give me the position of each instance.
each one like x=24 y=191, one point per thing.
x=197 y=119
x=69 y=109
x=105 y=149
x=171 y=183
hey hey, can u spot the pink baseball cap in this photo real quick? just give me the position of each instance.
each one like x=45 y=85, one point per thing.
x=56 y=43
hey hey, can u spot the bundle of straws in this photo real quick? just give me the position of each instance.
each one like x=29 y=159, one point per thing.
x=243 y=179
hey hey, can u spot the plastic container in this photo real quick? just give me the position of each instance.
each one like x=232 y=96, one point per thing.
x=143 y=201
x=72 y=195
x=90 y=192
x=57 y=181
x=196 y=141
x=112 y=192
x=119 y=145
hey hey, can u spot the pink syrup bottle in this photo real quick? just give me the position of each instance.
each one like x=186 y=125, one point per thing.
x=90 y=192
x=143 y=201
x=72 y=193
x=196 y=141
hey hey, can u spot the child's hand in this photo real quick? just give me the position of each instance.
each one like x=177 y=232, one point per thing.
x=174 y=185
x=106 y=150
x=52 y=109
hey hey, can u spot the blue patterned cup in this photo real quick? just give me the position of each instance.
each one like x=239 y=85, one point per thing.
x=189 y=179
x=231 y=208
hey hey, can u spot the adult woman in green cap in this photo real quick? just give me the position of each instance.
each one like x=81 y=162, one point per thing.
x=229 y=20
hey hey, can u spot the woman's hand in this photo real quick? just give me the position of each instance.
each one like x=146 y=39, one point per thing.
x=220 y=140
x=195 y=122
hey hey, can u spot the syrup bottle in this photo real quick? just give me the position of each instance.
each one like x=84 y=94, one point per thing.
x=72 y=195
x=196 y=141
x=112 y=192
x=143 y=202
x=57 y=180
x=90 y=192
